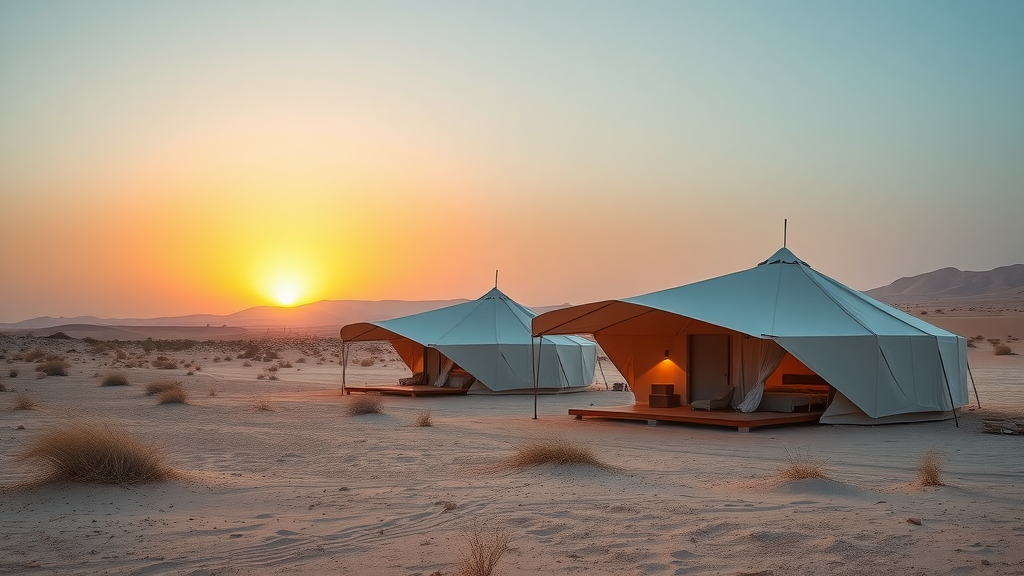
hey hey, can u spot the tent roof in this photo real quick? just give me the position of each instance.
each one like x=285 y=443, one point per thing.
x=780 y=297
x=494 y=318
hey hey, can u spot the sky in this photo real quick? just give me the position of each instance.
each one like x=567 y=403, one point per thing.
x=162 y=158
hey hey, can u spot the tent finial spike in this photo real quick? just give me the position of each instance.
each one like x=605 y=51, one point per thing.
x=495 y=278
x=785 y=222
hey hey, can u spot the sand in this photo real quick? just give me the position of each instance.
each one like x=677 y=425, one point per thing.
x=306 y=489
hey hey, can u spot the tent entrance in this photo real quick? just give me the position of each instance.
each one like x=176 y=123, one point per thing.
x=709 y=366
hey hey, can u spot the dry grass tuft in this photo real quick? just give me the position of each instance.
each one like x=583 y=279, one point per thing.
x=1002 y=350
x=97 y=453
x=424 y=419
x=557 y=451
x=53 y=368
x=175 y=395
x=117 y=378
x=13 y=372
x=24 y=402
x=365 y=404
x=33 y=355
x=262 y=404
x=929 y=470
x=800 y=466
x=212 y=391
x=161 y=386
x=486 y=547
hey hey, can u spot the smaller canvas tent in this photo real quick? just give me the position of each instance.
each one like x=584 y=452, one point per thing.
x=490 y=339
x=751 y=329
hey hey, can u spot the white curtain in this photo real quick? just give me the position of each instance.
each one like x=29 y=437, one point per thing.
x=760 y=358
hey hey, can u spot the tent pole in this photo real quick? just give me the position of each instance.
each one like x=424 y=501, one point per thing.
x=344 y=364
x=976 y=397
x=536 y=370
x=949 y=390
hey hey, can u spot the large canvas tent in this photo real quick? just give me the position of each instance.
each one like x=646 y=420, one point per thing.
x=490 y=339
x=745 y=329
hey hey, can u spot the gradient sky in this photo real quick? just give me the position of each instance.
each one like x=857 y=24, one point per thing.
x=172 y=157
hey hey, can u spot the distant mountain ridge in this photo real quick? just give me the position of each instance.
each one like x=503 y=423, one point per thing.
x=325 y=313
x=1002 y=284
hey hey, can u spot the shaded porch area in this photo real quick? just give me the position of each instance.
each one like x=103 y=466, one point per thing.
x=742 y=421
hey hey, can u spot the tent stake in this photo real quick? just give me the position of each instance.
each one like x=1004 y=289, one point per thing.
x=976 y=397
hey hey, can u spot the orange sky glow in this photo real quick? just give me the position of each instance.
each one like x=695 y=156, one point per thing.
x=154 y=163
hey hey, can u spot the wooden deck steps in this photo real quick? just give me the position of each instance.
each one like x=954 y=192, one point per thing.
x=742 y=421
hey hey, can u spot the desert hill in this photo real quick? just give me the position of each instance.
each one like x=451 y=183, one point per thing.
x=950 y=285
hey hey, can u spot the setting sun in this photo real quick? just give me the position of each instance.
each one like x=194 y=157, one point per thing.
x=286 y=292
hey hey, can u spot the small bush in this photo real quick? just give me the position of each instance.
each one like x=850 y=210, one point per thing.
x=1002 y=350
x=161 y=386
x=53 y=368
x=365 y=404
x=929 y=470
x=800 y=466
x=212 y=390
x=13 y=372
x=262 y=404
x=366 y=362
x=424 y=419
x=115 y=379
x=557 y=451
x=247 y=364
x=98 y=453
x=164 y=364
x=300 y=361
x=24 y=402
x=33 y=355
x=486 y=547
x=175 y=395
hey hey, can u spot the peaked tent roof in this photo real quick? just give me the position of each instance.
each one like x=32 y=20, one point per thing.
x=825 y=324
x=490 y=338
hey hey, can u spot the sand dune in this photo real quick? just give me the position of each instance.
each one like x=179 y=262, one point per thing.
x=305 y=489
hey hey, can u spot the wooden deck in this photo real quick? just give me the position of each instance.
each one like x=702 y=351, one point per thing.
x=742 y=421
x=414 y=391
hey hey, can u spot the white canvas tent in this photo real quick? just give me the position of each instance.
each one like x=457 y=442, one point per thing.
x=490 y=339
x=882 y=365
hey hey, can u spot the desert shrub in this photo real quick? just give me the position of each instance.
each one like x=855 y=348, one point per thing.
x=227 y=358
x=53 y=368
x=120 y=355
x=161 y=386
x=486 y=547
x=970 y=344
x=284 y=364
x=801 y=466
x=24 y=402
x=247 y=364
x=299 y=361
x=33 y=355
x=1002 y=350
x=212 y=390
x=117 y=378
x=366 y=362
x=424 y=419
x=13 y=372
x=262 y=375
x=929 y=470
x=554 y=450
x=272 y=369
x=93 y=452
x=3 y=387
x=262 y=404
x=164 y=364
x=365 y=404
x=175 y=395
